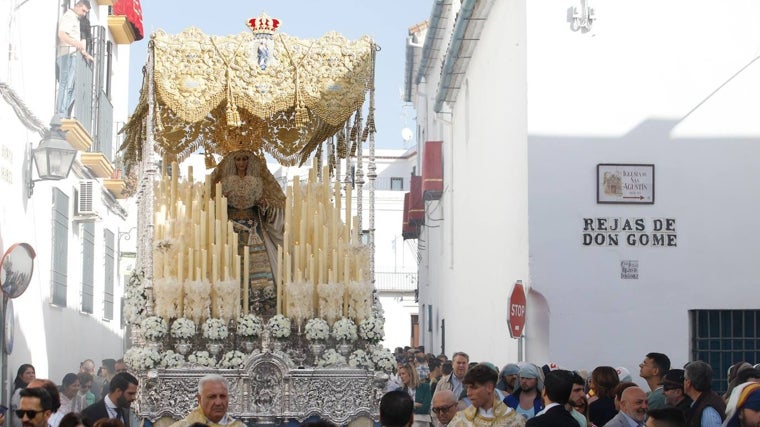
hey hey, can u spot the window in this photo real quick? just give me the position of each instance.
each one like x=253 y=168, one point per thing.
x=724 y=337
x=88 y=259
x=397 y=184
x=109 y=273
x=58 y=275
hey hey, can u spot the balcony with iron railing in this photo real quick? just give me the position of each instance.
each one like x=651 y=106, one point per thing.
x=91 y=125
x=396 y=282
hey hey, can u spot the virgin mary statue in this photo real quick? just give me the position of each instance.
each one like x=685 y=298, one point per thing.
x=255 y=203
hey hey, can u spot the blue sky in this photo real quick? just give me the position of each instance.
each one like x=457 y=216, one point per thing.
x=386 y=21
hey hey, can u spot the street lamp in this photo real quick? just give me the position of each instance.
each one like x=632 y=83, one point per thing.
x=53 y=156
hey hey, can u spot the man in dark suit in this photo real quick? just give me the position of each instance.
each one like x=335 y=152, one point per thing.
x=558 y=385
x=122 y=392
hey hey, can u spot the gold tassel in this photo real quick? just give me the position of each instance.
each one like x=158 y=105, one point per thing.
x=233 y=116
x=342 y=146
x=365 y=134
x=302 y=116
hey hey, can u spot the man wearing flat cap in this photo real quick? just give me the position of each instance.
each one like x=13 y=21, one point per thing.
x=672 y=388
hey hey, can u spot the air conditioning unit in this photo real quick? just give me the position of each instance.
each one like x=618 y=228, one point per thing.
x=88 y=201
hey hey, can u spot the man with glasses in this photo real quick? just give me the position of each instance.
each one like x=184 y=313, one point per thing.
x=35 y=407
x=70 y=44
x=444 y=407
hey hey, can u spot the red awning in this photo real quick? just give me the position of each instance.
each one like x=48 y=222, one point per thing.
x=133 y=11
x=408 y=231
x=416 y=203
x=432 y=170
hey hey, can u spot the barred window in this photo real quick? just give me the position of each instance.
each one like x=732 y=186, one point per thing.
x=724 y=337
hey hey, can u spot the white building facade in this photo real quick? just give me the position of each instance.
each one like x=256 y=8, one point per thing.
x=71 y=309
x=536 y=104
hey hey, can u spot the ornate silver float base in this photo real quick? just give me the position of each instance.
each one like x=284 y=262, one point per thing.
x=269 y=389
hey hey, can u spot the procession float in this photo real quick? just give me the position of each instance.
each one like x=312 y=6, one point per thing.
x=269 y=285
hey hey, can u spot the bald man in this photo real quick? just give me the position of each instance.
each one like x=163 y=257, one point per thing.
x=633 y=409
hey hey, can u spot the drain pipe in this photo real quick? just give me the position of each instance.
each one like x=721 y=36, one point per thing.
x=465 y=13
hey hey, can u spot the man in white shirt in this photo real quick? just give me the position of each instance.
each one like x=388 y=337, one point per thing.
x=70 y=45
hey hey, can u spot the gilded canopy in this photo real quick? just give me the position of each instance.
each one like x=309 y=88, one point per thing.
x=270 y=93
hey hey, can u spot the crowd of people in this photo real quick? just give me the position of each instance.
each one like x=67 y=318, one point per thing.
x=76 y=400
x=431 y=390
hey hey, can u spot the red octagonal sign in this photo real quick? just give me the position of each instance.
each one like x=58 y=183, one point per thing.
x=517 y=305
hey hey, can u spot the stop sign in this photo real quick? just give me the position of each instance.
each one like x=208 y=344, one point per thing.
x=516 y=320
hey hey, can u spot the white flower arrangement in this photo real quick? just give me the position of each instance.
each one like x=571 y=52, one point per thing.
x=134 y=299
x=142 y=359
x=183 y=329
x=372 y=329
x=249 y=326
x=172 y=360
x=197 y=299
x=232 y=360
x=279 y=326
x=317 y=329
x=214 y=329
x=331 y=358
x=384 y=361
x=330 y=300
x=360 y=299
x=202 y=358
x=226 y=302
x=344 y=330
x=360 y=359
x=167 y=294
x=154 y=328
x=299 y=298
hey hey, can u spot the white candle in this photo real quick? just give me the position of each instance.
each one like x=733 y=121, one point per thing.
x=348 y=204
x=204 y=266
x=214 y=268
x=278 y=280
x=246 y=278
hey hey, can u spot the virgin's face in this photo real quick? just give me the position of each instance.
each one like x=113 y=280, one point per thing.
x=241 y=163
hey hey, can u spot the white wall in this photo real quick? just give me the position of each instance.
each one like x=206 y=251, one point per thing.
x=657 y=83
x=54 y=339
x=485 y=197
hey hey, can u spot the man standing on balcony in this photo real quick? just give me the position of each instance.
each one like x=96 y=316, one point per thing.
x=70 y=44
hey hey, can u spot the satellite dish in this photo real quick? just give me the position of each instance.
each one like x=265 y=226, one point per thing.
x=406 y=134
